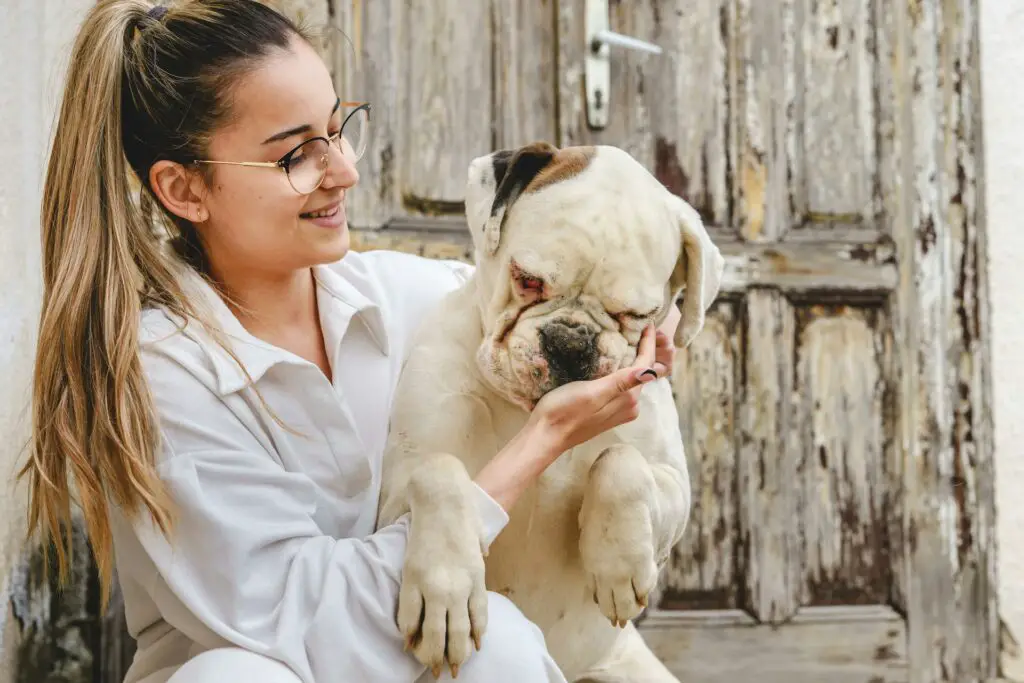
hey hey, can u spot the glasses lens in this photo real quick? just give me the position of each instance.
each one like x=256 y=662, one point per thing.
x=307 y=166
x=355 y=134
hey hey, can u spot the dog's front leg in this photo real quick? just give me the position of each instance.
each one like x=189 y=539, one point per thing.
x=442 y=602
x=633 y=513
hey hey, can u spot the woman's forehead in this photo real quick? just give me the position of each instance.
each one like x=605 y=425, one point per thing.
x=289 y=88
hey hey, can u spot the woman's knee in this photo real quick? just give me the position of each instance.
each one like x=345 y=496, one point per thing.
x=512 y=649
x=233 y=664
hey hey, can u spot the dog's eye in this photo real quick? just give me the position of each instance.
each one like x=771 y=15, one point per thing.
x=528 y=284
x=634 y=316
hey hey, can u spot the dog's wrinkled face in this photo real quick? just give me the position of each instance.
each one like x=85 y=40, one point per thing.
x=578 y=250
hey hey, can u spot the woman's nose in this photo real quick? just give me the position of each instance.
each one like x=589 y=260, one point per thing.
x=341 y=169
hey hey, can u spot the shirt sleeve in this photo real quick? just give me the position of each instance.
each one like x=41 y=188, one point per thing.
x=462 y=270
x=248 y=561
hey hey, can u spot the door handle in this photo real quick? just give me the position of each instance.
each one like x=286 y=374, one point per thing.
x=597 y=60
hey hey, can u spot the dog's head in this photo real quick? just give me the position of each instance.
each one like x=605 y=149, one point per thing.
x=577 y=250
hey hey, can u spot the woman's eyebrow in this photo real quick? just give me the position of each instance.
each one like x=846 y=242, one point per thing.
x=297 y=130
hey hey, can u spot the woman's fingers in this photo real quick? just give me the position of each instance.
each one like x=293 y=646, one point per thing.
x=632 y=376
x=646 y=351
x=664 y=354
x=623 y=408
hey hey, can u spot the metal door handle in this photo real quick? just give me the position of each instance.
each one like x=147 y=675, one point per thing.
x=597 y=61
x=612 y=38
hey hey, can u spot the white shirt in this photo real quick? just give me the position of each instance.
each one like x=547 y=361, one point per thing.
x=274 y=548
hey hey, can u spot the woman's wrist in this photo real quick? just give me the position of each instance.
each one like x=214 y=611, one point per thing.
x=519 y=463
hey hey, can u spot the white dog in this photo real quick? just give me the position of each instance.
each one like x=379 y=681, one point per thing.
x=577 y=249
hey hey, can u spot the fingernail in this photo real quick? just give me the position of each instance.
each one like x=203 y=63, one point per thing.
x=647 y=375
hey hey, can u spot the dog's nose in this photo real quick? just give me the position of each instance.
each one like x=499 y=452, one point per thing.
x=570 y=349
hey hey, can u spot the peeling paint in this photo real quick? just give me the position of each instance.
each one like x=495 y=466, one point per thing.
x=432 y=207
x=58 y=629
x=753 y=181
x=668 y=170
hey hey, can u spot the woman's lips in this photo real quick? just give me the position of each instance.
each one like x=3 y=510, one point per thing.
x=332 y=216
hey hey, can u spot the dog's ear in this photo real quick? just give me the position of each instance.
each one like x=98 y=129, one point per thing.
x=512 y=177
x=699 y=270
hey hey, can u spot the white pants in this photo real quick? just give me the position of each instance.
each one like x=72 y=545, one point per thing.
x=512 y=651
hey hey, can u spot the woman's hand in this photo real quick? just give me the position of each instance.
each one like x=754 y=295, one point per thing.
x=665 y=351
x=571 y=415
x=579 y=411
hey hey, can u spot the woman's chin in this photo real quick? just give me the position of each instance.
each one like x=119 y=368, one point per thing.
x=335 y=248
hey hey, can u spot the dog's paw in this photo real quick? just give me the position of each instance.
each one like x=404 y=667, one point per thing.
x=617 y=551
x=616 y=535
x=442 y=602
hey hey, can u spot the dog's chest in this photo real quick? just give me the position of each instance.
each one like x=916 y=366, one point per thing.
x=541 y=540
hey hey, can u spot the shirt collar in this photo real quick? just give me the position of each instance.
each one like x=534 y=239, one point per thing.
x=349 y=295
x=255 y=354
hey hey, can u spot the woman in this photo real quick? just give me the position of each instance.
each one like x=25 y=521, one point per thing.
x=222 y=403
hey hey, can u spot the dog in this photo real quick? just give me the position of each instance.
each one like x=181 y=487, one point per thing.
x=577 y=249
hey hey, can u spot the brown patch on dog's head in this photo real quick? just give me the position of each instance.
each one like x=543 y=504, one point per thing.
x=565 y=164
x=525 y=170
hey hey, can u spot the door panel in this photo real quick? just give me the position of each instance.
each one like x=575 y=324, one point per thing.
x=817 y=409
x=670 y=112
x=449 y=81
x=525 y=80
x=427 y=69
x=704 y=572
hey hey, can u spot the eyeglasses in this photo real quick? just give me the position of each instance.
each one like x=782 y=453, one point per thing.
x=306 y=165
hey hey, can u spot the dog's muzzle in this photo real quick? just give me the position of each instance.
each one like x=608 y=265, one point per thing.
x=570 y=349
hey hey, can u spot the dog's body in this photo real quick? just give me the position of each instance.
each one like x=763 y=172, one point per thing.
x=566 y=280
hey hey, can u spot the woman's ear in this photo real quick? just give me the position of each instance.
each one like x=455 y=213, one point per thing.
x=180 y=191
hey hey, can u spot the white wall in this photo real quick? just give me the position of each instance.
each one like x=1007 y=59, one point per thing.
x=35 y=37
x=1002 y=47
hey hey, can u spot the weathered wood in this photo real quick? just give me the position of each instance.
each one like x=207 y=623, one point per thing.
x=929 y=52
x=763 y=91
x=830 y=270
x=832 y=125
x=365 y=51
x=769 y=512
x=627 y=104
x=670 y=111
x=973 y=429
x=58 y=629
x=432 y=244
x=703 y=571
x=525 y=85
x=839 y=431
x=427 y=124
x=800 y=269
x=446 y=63
x=838 y=645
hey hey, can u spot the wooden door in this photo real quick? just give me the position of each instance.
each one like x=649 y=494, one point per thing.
x=835 y=407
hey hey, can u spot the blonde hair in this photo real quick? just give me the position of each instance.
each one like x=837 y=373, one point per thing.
x=142 y=86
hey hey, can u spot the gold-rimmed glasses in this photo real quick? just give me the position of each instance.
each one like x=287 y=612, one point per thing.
x=306 y=165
